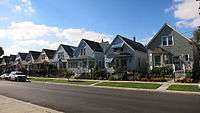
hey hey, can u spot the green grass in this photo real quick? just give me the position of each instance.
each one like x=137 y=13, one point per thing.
x=130 y=85
x=192 y=88
x=55 y=80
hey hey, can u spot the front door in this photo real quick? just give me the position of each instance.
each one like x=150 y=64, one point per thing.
x=177 y=63
x=157 y=60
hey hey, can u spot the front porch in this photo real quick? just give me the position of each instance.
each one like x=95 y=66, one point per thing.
x=81 y=65
x=160 y=57
x=118 y=62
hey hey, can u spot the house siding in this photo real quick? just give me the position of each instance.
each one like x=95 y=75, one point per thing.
x=180 y=47
x=56 y=59
x=137 y=61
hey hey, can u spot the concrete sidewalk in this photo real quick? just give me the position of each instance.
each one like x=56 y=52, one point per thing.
x=10 y=105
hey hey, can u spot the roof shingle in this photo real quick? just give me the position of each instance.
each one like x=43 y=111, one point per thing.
x=135 y=45
x=95 y=46
x=50 y=53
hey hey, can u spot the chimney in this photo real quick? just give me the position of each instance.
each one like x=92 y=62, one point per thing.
x=134 y=39
x=102 y=41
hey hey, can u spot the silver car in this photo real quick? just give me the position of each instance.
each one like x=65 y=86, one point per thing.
x=17 y=76
x=4 y=76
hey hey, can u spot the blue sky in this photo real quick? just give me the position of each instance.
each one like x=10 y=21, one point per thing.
x=51 y=22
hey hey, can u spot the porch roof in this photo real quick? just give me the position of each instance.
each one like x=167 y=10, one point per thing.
x=81 y=58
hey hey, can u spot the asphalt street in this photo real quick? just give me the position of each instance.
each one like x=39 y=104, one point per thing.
x=77 y=99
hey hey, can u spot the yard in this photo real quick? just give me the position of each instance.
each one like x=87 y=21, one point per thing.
x=130 y=85
x=192 y=88
x=55 y=80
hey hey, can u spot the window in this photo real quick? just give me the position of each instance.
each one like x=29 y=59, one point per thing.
x=157 y=60
x=43 y=57
x=167 y=40
x=170 y=40
x=61 y=55
x=83 y=51
x=164 y=41
x=186 y=57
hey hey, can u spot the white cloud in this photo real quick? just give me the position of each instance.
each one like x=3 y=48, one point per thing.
x=187 y=13
x=25 y=36
x=3 y=18
x=18 y=8
x=24 y=6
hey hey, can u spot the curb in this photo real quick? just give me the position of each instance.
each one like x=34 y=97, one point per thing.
x=19 y=106
x=121 y=88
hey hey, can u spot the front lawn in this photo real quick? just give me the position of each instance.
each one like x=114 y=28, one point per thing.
x=130 y=85
x=56 y=80
x=192 y=88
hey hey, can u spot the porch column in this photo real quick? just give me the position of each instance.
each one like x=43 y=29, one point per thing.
x=162 y=59
x=151 y=61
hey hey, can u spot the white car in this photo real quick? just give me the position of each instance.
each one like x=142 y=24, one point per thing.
x=4 y=76
x=17 y=76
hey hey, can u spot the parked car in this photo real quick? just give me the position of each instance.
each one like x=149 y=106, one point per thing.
x=17 y=76
x=5 y=76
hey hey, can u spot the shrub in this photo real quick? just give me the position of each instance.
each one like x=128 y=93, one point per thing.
x=68 y=74
x=98 y=73
x=188 y=73
x=165 y=70
x=115 y=77
x=84 y=76
x=155 y=71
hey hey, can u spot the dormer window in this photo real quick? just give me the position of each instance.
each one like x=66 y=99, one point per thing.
x=167 y=40
x=83 y=51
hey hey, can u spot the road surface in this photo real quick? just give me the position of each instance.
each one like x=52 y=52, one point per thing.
x=76 y=99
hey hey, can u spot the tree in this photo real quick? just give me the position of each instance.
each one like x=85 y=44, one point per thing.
x=67 y=74
x=1 y=51
x=196 y=51
x=196 y=36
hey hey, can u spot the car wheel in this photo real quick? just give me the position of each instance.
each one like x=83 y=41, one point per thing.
x=16 y=79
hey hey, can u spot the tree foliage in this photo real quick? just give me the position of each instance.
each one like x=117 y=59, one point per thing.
x=1 y=51
x=196 y=36
x=196 y=51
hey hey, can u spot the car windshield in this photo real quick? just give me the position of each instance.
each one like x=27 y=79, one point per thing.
x=19 y=73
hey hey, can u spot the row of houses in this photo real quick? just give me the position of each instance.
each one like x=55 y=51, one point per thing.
x=167 y=47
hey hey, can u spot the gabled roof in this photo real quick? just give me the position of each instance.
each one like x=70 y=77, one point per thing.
x=162 y=29
x=35 y=54
x=50 y=53
x=69 y=49
x=12 y=58
x=6 y=59
x=23 y=55
x=133 y=44
x=95 y=46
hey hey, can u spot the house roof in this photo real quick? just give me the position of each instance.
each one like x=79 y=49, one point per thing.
x=6 y=58
x=50 y=53
x=69 y=49
x=162 y=29
x=135 y=45
x=23 y=55
x=95 y=46
x=12 y=58
x=35 y=54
